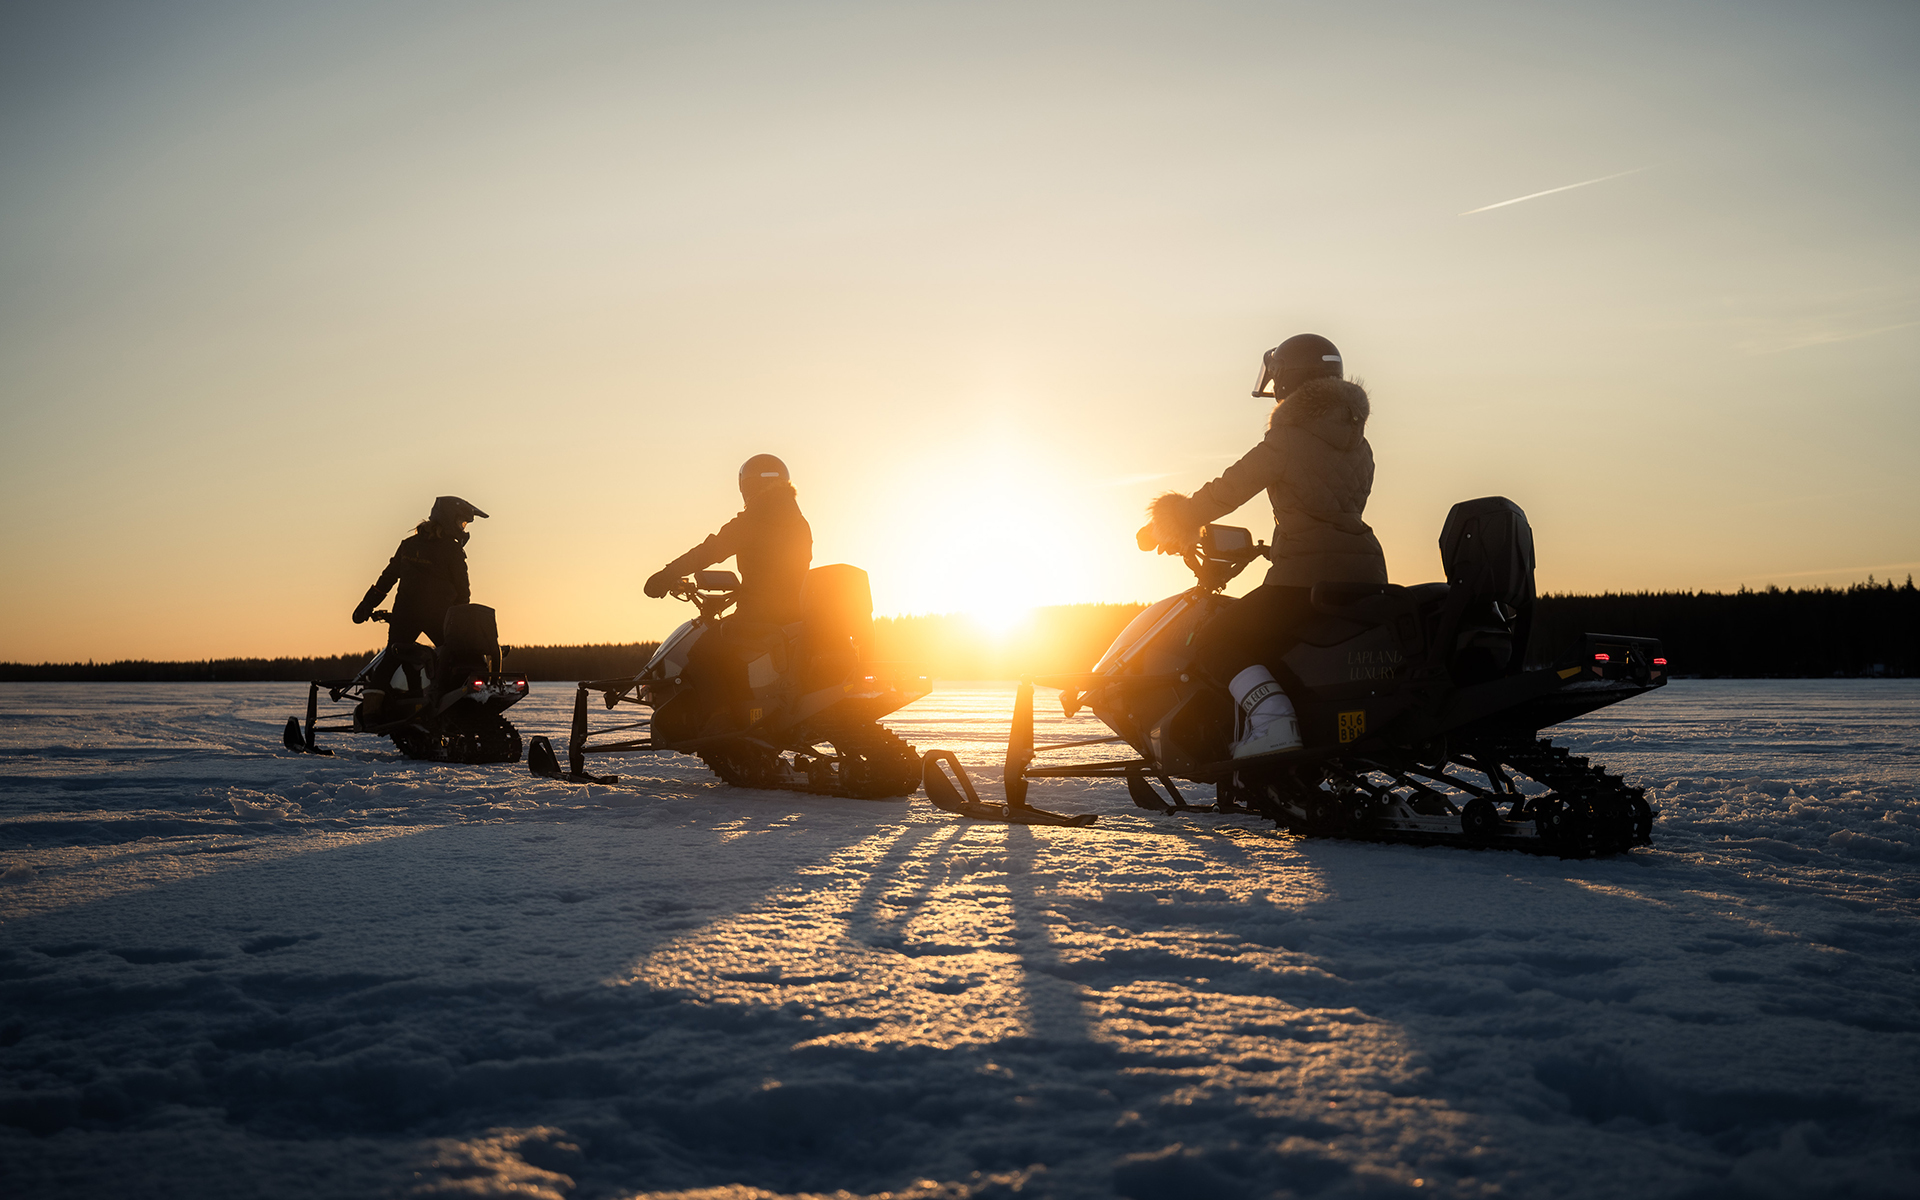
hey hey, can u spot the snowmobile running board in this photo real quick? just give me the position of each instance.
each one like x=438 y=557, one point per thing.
x=943 y=794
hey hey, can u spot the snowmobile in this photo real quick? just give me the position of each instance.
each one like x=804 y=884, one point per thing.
x=809 y=720
x=438 y=705
x=1418 y=719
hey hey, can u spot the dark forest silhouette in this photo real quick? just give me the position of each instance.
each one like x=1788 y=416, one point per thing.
x=1869 y=628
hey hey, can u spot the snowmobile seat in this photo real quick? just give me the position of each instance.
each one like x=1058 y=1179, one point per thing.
x=1356 y=607
x=836 y=624
x=1355 y=601
x=1486 y=547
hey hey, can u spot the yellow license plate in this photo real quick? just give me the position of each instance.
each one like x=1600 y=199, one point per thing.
x=1352 y=725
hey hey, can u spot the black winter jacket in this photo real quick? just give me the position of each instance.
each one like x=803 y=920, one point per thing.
x=774 y=546
x=431 y=568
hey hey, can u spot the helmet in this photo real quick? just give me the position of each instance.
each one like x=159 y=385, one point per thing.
x=450 y=511
x=1300 y=358
x=761 y=471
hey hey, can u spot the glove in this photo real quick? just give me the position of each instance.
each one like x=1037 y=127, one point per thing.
x=1171 y=526
x=1145 y=539
x=362 y=614
x=659 y=582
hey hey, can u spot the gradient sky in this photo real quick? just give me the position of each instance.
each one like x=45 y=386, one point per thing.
x=988 y=277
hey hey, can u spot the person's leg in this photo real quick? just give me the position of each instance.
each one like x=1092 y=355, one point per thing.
x=1239 y=648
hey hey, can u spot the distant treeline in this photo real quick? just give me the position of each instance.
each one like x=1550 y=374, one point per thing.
x=538 y=662
x=1867 y=629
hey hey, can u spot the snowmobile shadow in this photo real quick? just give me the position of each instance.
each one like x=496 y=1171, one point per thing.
x=808 y=1000
x=473 y=959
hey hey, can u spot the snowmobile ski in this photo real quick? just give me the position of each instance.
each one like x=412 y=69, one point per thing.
x=944 y=795
x=542 y=761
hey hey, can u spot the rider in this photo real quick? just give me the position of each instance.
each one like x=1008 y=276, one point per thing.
x=431 y=568
x=1317 y=469
x=773 y=545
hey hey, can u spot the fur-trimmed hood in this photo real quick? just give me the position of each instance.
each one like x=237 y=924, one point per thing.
x=1333 y=410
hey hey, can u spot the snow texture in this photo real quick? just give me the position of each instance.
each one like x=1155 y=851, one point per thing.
x=226 y=970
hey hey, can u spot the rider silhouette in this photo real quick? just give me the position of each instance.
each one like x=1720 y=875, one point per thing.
x=773 y=545
x=431 y=568
x=1317 y=469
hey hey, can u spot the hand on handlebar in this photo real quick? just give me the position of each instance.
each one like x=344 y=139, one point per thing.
x=660 y=583
x=1146 y=540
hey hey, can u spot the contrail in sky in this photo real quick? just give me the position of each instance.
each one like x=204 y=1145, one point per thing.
x=1550 y=191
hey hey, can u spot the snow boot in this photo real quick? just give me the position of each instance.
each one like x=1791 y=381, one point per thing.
x=1265 y=714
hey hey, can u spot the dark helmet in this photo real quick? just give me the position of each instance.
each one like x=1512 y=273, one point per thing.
x=1300 y=358
x=762 y=470
x=449 y=511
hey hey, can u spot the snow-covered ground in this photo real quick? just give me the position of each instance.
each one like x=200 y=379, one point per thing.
x=230 y=971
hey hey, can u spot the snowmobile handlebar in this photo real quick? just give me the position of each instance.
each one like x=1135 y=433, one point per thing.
x=712 y=592
x=1222 y=552
x=1217 y=555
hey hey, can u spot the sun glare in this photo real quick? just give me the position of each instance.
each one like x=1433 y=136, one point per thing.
x=1007 y=525
x=1000 y=619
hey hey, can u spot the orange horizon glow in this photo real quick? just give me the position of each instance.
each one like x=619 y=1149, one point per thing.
x=987 y=277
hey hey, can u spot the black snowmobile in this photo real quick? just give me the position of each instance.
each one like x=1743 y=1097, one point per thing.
x=439 y=705
x=1418 y=720
x=811 y=723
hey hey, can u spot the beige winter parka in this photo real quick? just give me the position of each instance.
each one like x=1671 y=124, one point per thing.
x=1317 y=469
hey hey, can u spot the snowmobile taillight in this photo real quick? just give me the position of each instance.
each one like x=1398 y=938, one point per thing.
x=478 y=685
x=1659 y=662
x=1603 y=658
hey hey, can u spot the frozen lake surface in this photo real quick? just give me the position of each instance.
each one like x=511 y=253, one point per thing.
x=230 y=971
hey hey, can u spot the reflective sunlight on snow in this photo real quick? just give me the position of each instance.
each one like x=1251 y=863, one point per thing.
x=230 y=971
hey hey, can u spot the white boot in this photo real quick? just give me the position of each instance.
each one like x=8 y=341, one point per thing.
x=1265 y=714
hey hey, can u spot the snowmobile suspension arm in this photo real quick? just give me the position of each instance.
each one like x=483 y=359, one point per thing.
x=1095 y=741
x=1115 y=769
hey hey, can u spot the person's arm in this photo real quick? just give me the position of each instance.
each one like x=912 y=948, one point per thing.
x=1257 y=470
x=1176 y=519
x=717 y=548
x=380 y=588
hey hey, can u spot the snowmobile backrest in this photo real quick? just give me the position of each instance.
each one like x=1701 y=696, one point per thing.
x=469 y=644
x=472 y=627
x=836 y=602
x=1486 y=547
